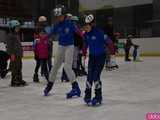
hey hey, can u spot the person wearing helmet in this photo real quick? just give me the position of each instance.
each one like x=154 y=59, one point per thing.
x=43 y=57
x=78 y=68
x=69 y=16
x=65 y=30
x=41 y=54
x=15 y=51
x=96 y=41
x=111 y=63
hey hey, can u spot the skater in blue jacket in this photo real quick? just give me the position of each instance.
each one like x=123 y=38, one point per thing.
x=96 y=41
x=65 y=29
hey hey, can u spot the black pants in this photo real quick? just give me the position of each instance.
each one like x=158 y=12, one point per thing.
x=16 y=70
x=127 y=54
x=3 y=64
x=64 y=76
x=43 y=64
x=49 y=65
x=108 y=59
x=79 y=63
x=95 y=67
x=4 y=57
x=49 y=62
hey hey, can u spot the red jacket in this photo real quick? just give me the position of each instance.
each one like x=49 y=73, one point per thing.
x=41 y=47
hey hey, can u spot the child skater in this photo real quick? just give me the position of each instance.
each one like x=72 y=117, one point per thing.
x=65 y=29
x=96 y=41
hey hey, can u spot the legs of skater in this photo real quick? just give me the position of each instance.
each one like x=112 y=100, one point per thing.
x=16 y=70
x=97 y=82
x=127 y=55
x=38 y=64
x=75 y=91
x=64 y=76
x=67 y=54
x=57 y=64
x=49 y=62
x=45 y=68
x=89 y=81
x=95 y=68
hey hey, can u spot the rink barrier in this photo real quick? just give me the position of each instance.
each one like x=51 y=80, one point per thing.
x=148 y=47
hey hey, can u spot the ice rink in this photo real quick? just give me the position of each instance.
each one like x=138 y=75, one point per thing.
x=128 y=94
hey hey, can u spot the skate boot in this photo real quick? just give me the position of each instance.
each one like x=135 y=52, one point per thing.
x=117 y=66
x=3 y=74
x=97 y=100
x=87 y=97
x=75 y=91
x=48 y=88
x=21 y=83
x=35 y=78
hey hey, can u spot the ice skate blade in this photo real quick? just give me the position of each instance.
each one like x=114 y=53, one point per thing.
x=19 y=85
x=96 y=105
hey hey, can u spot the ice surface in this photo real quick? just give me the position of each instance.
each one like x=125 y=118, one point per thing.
x=128 y=93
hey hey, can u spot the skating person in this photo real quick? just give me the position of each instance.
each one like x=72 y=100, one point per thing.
x=41 y=54
x=96 y=41
x=14 y=49
x=136 y=55
x=112 y=58
x=78 y=45
x=64 y=77
x=127 y=48
x=112 y=64
x=44 y=23
x=135 y=52
x=65 y=29
x=4 y=57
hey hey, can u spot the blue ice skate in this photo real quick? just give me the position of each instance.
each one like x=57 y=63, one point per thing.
x=75 y=92
x=96 y=101
x=48 y=88
x=88 y=102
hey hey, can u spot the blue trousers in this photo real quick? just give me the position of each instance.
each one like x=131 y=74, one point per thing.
x=95 y=67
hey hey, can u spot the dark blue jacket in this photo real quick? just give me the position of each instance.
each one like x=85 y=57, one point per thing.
x=65 y=31
x=96 y=40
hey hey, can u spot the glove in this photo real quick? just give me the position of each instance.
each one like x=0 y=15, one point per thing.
x=13 y=57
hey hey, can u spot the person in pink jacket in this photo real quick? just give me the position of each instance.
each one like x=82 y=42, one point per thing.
x=41 y=54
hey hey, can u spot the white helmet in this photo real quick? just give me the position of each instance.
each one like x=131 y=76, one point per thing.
x=59 y=10
x=89 y=18
x=69 y=15
x=42 y=19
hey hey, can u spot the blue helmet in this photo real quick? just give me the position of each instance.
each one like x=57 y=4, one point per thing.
x=13 y=23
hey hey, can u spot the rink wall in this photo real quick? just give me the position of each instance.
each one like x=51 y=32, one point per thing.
x=148 y=47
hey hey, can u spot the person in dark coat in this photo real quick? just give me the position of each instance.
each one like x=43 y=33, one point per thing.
x=14 y=49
